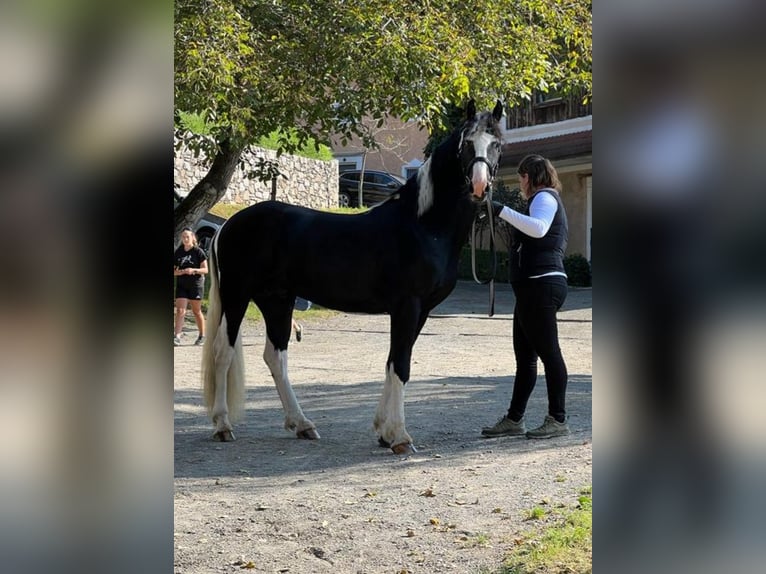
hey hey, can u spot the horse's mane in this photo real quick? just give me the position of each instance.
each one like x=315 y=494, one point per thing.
x=418 y=190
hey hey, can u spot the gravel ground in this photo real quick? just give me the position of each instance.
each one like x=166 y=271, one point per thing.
x=269 y=502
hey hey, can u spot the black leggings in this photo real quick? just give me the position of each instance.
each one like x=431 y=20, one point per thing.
x=535 y=334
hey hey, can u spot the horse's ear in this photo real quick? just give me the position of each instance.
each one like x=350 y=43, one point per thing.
x=470 y=110
x=497 y=113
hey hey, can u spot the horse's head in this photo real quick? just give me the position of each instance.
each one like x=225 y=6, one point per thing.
x=480 y=148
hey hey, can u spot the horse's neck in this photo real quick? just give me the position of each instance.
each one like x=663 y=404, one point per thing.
x=450 y=217
x=449 y=204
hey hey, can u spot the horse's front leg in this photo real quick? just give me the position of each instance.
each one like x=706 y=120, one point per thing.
x=389 y=423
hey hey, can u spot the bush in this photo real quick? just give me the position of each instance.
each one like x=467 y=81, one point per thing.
x=578 y=270
x=483 y=265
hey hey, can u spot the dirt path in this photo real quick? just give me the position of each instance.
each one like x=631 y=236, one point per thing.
x=271 y=503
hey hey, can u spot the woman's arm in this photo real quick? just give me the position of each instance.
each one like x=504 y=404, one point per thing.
x=538 y=222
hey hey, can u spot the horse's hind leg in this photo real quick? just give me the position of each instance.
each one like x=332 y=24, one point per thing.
x=224 y=355
x=278 y=315
x=229 y=371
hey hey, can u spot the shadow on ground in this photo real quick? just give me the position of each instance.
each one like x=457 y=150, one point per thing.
x=444 y=417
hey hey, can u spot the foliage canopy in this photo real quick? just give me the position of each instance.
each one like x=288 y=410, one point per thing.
x=309 y=68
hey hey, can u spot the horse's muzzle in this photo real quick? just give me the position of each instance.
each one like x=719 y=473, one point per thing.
x=481 y=172
x=478 y=188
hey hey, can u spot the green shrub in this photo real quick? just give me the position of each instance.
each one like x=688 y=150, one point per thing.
x=483 y=265
x=578 y=270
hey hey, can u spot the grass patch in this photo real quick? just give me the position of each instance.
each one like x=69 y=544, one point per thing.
x=536 y=513
x=563 y=545
x=316 y=312
x=254 y=314
x=226 y=210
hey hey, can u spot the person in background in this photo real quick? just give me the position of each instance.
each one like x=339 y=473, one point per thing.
x=189 y=269
x=540 y=286
x=300 y=305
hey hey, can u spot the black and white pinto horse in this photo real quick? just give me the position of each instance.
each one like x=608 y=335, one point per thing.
x=400 y=258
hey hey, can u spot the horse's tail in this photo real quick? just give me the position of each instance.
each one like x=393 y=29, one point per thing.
x=217 y=339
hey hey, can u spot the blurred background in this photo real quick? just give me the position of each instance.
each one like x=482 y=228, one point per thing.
x=86 y=111
x=680 y=327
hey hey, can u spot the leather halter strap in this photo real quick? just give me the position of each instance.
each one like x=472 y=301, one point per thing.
x=480 y=159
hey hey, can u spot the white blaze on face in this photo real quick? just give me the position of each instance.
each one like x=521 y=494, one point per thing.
x=480 y=170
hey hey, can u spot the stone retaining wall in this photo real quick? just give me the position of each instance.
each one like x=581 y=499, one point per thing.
x=308 y=182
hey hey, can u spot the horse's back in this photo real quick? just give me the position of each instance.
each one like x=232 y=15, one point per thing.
x=350 y=262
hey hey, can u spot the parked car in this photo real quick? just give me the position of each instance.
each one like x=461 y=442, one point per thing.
x=205 y=228
x=376 y=187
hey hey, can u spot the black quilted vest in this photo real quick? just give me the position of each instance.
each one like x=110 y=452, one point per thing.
x=531 y=256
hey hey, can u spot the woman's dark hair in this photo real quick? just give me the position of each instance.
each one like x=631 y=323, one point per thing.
x=540 y=171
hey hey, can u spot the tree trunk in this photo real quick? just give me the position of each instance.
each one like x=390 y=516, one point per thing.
x=208 y=191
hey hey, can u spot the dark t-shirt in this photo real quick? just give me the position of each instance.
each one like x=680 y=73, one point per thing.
x=193 y=258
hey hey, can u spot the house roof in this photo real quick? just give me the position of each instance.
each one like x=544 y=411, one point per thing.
x=562 y=140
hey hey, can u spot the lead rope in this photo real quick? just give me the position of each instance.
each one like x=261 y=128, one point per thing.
x=492 y=251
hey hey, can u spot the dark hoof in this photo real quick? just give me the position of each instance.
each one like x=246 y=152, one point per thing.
x=383 y=442
x=308 y=434
x=224 y=436
x=404 y=448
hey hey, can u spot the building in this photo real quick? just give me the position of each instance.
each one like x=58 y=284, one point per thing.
x=401 y=149
x=557 y=127
x=560 y=129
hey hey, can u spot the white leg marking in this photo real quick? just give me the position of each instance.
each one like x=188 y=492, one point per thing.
x=381 y=413
x=277 y=363
x=392 y=428
x=224 y=354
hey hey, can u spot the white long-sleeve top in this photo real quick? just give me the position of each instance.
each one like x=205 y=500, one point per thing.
x=537 y=223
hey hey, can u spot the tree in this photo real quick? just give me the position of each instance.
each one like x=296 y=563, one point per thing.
x=314 y=68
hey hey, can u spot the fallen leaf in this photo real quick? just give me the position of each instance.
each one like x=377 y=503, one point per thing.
x=497 y=510
x=248 y=566
x=434 y=521
x=428 y=492
x=410 y=533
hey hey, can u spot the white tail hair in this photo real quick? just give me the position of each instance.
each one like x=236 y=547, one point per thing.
x=235 y=391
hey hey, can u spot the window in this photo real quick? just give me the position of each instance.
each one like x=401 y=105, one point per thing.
x=410 y=171
x=549 y=98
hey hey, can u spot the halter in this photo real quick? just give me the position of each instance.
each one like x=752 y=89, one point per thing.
x=492 y=169
x=481 y=159
x=488 y=203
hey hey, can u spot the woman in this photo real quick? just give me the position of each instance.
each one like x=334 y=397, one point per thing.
x=189 y=268
x=540 y=286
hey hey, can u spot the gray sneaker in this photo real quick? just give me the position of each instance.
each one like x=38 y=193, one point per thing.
x=504 y=427
x=177 y=340
x=200 y=340
x=549 y=429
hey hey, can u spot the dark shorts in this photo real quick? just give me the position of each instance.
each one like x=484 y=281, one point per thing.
x=193 y=293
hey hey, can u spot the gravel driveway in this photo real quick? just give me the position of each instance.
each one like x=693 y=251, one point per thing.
x=271 y=503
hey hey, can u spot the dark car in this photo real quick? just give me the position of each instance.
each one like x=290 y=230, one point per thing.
x=206 y=227
x=377 y=187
